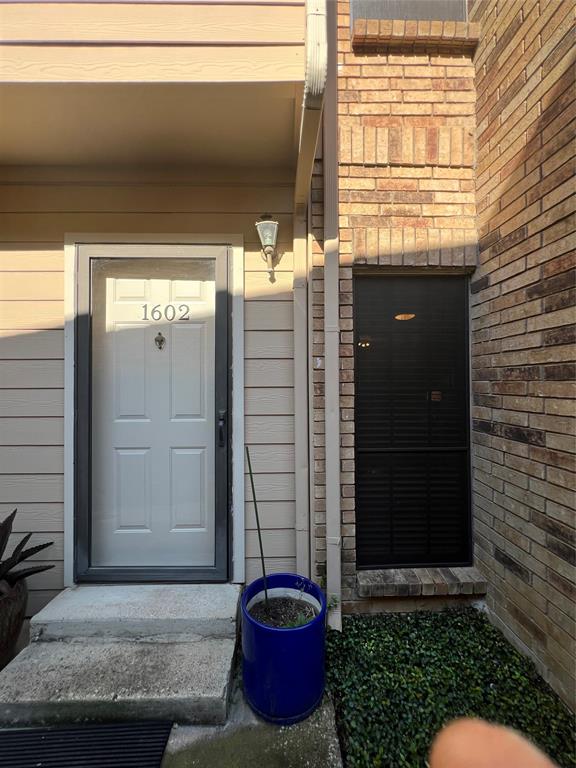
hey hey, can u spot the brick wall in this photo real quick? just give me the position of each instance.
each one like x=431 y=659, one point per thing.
x=432 y=133
x=406 y=199
x=522 y=328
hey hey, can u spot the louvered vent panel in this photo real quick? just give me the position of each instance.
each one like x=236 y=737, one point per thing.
x=411 y=421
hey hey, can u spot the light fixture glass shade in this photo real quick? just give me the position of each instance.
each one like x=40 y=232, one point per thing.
x=267 y=232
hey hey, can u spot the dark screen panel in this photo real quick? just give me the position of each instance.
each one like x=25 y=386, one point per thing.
x=411 y=412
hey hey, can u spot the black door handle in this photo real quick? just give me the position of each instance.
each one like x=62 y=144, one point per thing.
x=221 y=425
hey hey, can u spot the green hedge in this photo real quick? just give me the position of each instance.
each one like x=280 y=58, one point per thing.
x=397 y=678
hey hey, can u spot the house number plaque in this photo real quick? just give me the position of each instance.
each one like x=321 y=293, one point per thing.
x=168 y=312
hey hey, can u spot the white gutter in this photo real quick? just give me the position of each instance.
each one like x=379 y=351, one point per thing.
x=332 y=332
x=314 y=85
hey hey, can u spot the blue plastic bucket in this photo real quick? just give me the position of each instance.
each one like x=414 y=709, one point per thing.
x=283 y=669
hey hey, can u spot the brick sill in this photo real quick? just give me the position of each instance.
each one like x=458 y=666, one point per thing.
x=374 y=33
x=421 y=582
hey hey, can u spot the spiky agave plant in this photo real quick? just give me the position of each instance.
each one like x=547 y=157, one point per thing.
x=8 y=576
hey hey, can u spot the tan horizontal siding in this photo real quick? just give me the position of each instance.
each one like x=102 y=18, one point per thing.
x=261 y=401
x=273 y=565
x=271 y=458
x=276 y=543
x=31 y=431
x=161 y=23
x=55 y=551
x=34 y=219
x=254 y=261
x=273 y=514
x=31 y=374
x=31 y=488
x=79 y=198
x=269 y=429
x=259 y=288
x=276 y=373
x=31 y=402
x=271 y=487
x=31 y=286
x=31 y=315
x=35 y=258
x=275 y=344
x=52 y=579
x=40 y=227
x=36 y=459
x=147 y=64
x=31 y=345
x=36 y=516
x=272 y=315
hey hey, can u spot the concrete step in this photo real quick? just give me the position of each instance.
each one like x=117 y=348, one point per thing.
x=139 y=611
x=52 y=682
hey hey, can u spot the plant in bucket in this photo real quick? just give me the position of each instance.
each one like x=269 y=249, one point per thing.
x=283 y=634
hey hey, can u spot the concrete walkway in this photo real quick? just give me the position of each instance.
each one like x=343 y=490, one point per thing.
x=246 y=741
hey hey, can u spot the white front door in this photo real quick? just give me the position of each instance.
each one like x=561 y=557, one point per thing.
x=153 y=412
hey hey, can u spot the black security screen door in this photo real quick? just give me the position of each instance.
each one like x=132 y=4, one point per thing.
x=412 y=464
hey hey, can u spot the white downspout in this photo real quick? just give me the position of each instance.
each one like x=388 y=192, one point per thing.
x=314 y=85
x=332 y=332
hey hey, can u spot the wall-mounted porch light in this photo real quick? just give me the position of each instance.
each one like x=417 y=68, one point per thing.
x=267 y=230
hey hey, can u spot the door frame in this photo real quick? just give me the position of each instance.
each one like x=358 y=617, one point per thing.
x=75 y=520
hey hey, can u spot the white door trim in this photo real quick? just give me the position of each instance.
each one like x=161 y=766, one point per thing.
x=236 y=244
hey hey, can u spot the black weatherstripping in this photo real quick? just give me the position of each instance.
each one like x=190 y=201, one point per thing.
x=115 y=745
x=411 y=421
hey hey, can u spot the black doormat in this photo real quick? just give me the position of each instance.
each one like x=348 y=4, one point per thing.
x=114 y=745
